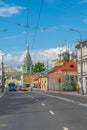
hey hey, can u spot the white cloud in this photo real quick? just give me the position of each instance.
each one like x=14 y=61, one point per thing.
x=8 y=10
x=11 y=60
x=37 y=55
x=46 y=55
x=50 y=54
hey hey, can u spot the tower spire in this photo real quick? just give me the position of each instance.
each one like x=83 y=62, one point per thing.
x=27 y=61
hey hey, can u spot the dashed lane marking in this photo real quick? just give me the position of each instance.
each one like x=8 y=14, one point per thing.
x=51 y=112
x=2 y=125
x=43 y=104
x=82 y=104
x=37 y=100
x=65 y=128
x=65 y=99
x=6 y=116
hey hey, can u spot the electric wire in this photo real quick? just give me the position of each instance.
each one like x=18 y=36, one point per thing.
x=38 y=20
x=27 y=23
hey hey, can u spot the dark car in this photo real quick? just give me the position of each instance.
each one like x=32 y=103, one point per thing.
x=12 y=88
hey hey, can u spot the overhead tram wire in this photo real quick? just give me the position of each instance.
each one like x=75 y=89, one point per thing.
x=37 y=23
x=27 y=23
x=27 y=26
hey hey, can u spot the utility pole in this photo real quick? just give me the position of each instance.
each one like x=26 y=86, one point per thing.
x=47 y=72
x=81 y=61
x=2 y=64
x=2 y=73
x=47 y=76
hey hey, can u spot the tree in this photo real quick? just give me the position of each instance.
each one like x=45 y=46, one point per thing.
x=39 y=67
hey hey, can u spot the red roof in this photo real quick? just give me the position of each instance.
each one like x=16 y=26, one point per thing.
x=69 y=66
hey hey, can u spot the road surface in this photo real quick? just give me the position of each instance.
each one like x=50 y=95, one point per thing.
x=42 y=111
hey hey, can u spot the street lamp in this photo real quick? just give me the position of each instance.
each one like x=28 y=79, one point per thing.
x=47 y=72
x=2 y=80
x=2 y=64
x=80 y=59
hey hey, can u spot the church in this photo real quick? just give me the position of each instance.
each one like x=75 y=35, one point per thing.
x=27 y=68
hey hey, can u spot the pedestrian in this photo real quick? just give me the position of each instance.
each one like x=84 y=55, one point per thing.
x=78 y=88
x=31 y=89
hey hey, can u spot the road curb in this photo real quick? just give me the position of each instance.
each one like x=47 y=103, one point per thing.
x=69 y=93
x=3 y=94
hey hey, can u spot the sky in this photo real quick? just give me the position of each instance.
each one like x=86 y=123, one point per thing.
x=53 y=19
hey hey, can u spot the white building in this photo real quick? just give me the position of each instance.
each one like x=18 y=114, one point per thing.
x=12 y=75
x=82 y=63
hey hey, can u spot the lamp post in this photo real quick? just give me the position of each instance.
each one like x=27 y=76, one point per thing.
x=2 y=64
x=47 y=72
x=2 y=80
x=81 y=73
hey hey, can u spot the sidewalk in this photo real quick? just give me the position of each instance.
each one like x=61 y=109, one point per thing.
x=2 y=93
x=69 y=93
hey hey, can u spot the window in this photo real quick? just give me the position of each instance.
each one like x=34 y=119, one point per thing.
x=71 y=77
x=71 y=66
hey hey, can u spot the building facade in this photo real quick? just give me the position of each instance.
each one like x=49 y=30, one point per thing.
x=11 y=75
x=63 y=77
x=44 y=82
x=82 y=65
x=63 y=58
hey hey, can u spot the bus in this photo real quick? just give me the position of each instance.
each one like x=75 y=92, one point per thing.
x=12 y=86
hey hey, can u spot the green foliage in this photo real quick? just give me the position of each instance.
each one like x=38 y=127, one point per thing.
x=39 y=67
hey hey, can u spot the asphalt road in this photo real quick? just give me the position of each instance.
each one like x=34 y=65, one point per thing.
x=42 y=111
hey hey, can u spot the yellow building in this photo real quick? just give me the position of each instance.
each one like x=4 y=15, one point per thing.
x=63 y=58
x=43 y=82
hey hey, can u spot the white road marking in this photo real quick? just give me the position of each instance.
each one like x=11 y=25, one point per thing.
x=37 y=100
x=51 y=112
x=2 y=125
x=65 y=128
x=43 y=104
x=65 y=99
x=85 y=105
x=6 y=116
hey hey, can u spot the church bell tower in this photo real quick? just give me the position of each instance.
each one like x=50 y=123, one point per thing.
x=27 y=68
